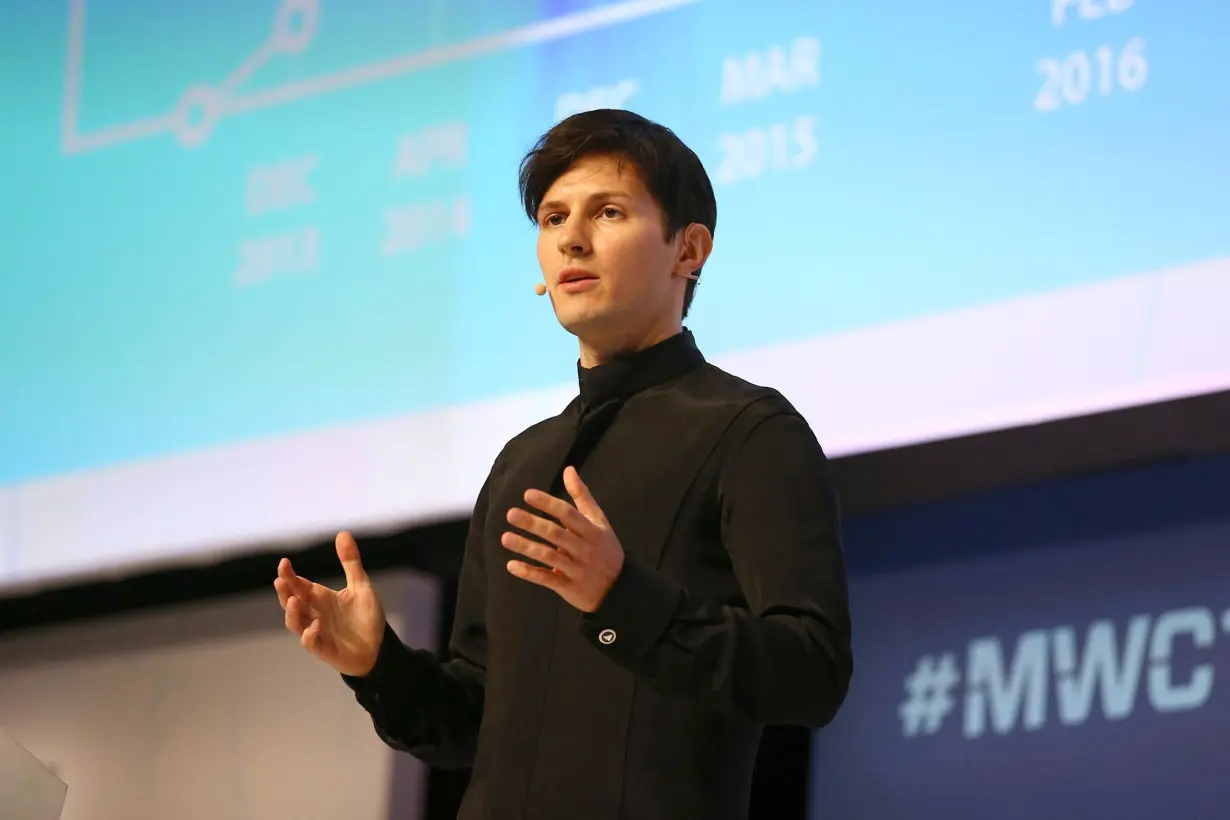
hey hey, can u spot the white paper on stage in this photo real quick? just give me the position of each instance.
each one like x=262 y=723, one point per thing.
x=28 y=789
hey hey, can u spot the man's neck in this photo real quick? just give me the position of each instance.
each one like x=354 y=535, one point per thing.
x=593 y=354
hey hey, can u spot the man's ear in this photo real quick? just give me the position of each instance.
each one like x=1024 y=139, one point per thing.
x=696 y=243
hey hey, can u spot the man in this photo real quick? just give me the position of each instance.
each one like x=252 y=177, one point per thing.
x=651 y=576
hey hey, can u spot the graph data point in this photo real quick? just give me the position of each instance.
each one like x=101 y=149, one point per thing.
x=196 y=115
x=295 y=25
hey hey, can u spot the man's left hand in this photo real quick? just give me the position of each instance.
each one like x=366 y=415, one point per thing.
x=584 y=557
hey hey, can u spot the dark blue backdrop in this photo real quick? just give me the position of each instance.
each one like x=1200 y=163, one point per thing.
x=1057 y=651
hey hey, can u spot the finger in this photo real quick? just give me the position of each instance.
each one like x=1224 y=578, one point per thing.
x=309 y=594
x=582 y=497
x=548 y=531
x=298 y=584
x=563 y=512
x=541 y=553
x=348 y=554
x=282 y=586
x=294 y=615
x=310 y=639
x=536 y=575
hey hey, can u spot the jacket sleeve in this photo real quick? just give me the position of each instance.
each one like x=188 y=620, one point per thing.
x=786 y=657
x=425 y=706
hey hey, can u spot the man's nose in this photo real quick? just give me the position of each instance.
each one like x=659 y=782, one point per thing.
x=573 y=239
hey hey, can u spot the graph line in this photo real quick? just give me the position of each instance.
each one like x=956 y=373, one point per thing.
x=200 y=108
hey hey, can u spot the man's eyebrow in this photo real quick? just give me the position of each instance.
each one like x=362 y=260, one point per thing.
x=599 y=195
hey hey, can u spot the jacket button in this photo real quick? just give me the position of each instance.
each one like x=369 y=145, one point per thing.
x=607 y=636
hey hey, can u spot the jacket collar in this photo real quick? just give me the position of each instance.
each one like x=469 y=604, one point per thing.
x=630 y=373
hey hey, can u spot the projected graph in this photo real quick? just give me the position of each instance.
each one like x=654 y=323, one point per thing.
x=307 y=309
x=200 y=108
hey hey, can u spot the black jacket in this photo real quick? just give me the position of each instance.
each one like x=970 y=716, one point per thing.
x=730 y=613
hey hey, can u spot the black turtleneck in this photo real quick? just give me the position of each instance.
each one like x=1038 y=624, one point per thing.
x=730 y=612
x=630 y=373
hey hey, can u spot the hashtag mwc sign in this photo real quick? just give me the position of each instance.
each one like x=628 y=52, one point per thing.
x=1002 y=685
x=1083 y=681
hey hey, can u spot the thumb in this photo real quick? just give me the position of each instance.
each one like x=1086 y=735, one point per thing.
x=348 y=554
x=582 y=497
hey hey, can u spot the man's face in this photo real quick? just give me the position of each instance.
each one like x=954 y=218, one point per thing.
x=605 y=260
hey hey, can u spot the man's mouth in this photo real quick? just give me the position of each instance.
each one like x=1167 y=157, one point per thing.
x=568 y=275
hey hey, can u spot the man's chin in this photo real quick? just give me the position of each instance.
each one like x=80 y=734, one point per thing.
x=583 y=322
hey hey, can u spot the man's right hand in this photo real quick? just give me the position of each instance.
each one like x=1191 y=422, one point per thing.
x=344 y=629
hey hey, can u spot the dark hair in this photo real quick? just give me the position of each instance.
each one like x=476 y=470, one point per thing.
x=670 y=170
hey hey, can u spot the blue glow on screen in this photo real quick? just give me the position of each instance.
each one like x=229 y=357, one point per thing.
x=906 y=171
